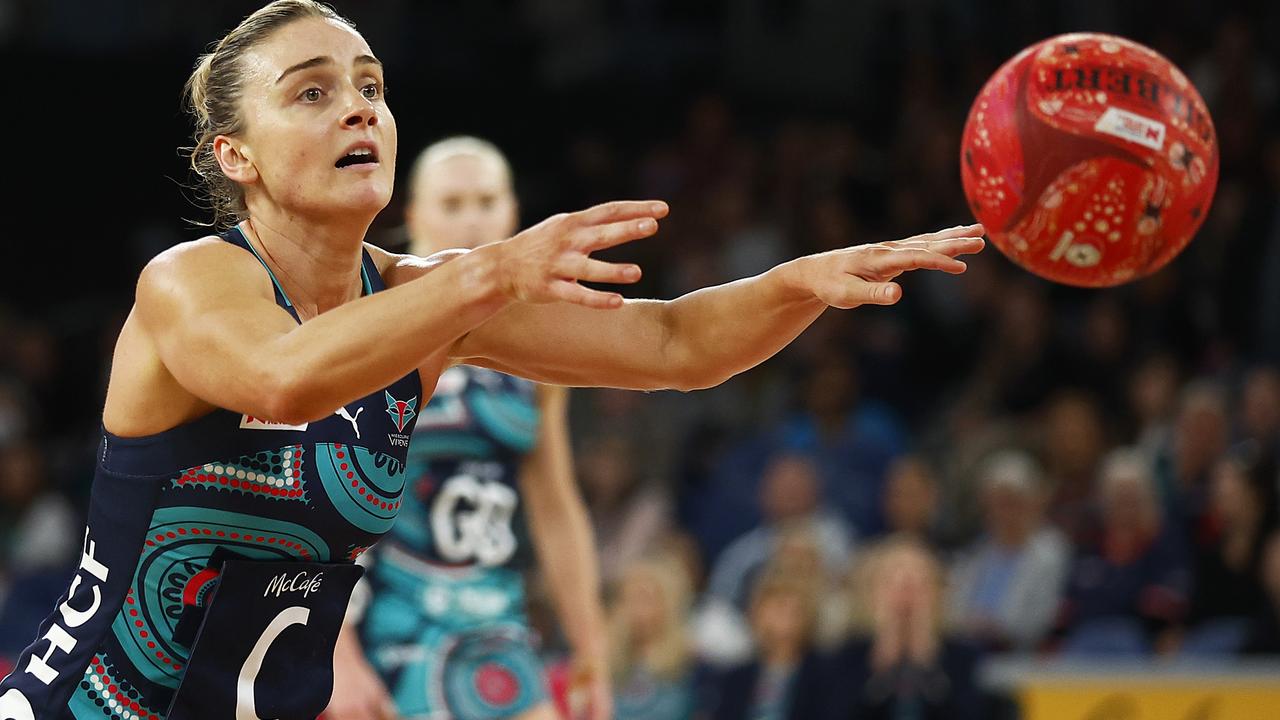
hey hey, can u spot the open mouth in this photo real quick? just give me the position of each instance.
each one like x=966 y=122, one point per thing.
x=362 y=156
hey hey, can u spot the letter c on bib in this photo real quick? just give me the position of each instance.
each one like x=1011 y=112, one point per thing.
x=245 y=709
x=15 y=706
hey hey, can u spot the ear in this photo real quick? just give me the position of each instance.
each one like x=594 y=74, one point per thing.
x=236 y=159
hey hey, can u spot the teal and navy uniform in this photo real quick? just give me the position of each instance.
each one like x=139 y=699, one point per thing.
x=445 y=624
x=218 y=562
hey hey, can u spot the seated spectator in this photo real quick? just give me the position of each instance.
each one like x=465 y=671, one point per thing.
x=722 y=632
x=1073 y=441
x=789 y=497
x=40 y=538
x=38 y=527
x=898 y=664
x=851 y=440
x=911 y=499
x=1153 y=400
x=784 y=614
x=650 y=658
x=629 y=513
x=1138 y=571
x=1226 y=572
x=1259 y=418
x=1182 y=470
x=1264 y=630
x=1006 y=589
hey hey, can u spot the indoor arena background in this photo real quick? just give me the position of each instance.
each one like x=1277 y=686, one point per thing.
x=988 y=405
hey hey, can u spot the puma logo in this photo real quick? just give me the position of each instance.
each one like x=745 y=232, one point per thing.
x=342 y=412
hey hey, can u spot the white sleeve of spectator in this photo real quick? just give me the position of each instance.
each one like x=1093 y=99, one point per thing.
x=1031 y=608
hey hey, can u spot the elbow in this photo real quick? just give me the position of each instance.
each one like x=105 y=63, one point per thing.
x=687 y=374
x=691 y=379
x=684 y=368
x=286 y=399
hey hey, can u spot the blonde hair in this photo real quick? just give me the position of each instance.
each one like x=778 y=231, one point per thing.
x=1130 y=467
x=212 y=96
x=777 y=580
x=668 y=656
x=452 y=147
x=867 y=574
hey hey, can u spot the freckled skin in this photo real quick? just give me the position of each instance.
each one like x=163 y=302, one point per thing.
x=292 y=143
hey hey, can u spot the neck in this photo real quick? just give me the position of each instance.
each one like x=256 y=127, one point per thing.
x=781 y=655
x=1013 y=539
x=316 y=261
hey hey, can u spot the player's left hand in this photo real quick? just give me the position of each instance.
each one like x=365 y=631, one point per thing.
x=863 y=274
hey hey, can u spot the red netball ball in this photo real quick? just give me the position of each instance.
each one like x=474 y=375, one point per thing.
x=1090 y=159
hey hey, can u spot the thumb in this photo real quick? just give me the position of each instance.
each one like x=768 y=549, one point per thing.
x=885 y=293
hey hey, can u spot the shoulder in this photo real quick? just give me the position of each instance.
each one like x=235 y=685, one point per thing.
x=207 y=265
x=399 y=268
x=190 y=260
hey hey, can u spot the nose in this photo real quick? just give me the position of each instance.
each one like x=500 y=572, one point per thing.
x=361 y=113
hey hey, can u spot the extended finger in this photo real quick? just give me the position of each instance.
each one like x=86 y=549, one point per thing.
x=951 y=232
x=600 y=237
x=618 y=210
x=952 y=247
x=901 y=260
x=957 y=231
x=572 y=292
x=593 y=270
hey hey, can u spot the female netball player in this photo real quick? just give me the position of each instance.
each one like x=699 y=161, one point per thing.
x=487 y=449
x=266 y=382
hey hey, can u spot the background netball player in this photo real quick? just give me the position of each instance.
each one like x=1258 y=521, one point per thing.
x=487 y=449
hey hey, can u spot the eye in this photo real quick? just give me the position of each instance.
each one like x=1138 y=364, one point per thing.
x=311 y=95
x=371 y=91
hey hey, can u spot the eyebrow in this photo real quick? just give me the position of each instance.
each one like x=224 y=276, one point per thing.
x=326 y=60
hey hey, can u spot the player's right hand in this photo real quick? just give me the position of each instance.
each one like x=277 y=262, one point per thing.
x=546 y=262
x=864 y=274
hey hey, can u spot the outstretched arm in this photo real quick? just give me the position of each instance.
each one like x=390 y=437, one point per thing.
x=701 y=339
x=208 y=312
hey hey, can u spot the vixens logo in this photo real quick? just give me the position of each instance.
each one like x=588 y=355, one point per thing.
x=401 y=411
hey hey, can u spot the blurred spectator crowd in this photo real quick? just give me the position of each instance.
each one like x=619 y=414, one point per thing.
x=995 y=464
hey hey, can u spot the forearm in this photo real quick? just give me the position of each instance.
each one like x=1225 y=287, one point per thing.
x=566 y=548
x=562 y=533
x=703 y=338
x=715 y=333
x=359 y=347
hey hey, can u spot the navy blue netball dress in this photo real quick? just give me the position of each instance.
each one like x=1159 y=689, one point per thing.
x=218 y=562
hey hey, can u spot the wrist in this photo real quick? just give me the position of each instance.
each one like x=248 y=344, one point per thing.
x=590 y=660
x=792 y=279
x=481 y=279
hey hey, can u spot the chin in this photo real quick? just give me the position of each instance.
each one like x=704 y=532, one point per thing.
x=368 y=198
